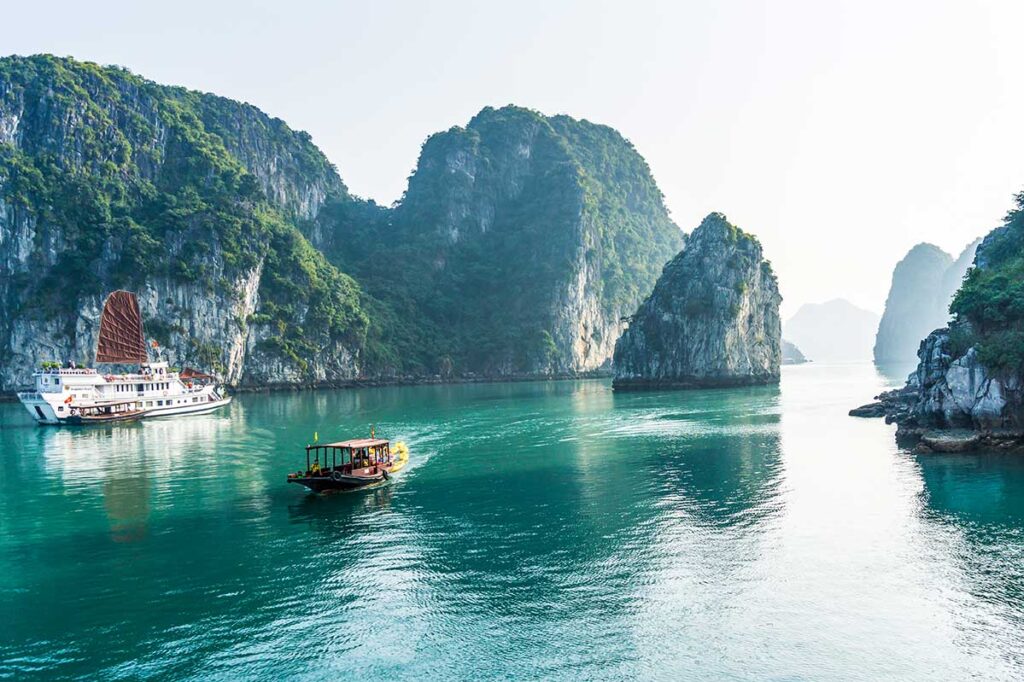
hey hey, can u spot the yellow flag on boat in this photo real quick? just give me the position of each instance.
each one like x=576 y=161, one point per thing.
x=316 y=436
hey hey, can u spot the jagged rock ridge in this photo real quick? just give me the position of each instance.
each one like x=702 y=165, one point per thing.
x=712 y=319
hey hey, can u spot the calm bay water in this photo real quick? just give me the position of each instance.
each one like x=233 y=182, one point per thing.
x=541 y=530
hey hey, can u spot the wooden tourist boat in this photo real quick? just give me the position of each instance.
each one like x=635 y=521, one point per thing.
x=350 y=464
x=105 y=412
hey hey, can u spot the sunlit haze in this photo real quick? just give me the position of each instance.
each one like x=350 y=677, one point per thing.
x=840 y=133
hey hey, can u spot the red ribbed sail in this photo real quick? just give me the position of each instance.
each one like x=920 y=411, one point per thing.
x=121 y=339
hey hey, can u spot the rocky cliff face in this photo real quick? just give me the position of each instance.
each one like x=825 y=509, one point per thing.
x=923 y=284
x=952 y=402
x=956 y=390
x=521 y=243
x=291 y=171
x=110 y=181
x=712 y=320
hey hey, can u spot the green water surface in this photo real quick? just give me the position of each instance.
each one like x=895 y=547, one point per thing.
x=541 y=531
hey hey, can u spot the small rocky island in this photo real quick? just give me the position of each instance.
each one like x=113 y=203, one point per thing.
x=791 y=355
x=712 y=319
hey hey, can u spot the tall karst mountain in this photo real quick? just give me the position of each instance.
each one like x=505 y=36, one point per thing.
x=108 y=181
x=923 y=284
x=520 y=244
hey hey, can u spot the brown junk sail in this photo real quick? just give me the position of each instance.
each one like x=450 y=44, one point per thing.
x=121 y=330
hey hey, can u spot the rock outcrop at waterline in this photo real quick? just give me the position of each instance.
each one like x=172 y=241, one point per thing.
x=949 y=390
x=712 y=320
x=968 y=388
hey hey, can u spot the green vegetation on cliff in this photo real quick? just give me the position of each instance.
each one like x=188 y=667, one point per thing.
x=991 y=300
x=510 y=227
x=124 y=180
x=520 y=245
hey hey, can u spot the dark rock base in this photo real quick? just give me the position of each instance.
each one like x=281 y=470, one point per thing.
x=871 y=410
x=922 y=441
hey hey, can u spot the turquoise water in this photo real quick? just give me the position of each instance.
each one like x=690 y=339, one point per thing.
x=541 y=531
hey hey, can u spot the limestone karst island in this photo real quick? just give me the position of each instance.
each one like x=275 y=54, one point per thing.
x=562 y=341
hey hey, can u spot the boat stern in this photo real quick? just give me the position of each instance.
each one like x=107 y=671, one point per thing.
x=40 y=409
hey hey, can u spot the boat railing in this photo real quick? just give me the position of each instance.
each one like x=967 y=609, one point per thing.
x=67 y=371
x=140 y=377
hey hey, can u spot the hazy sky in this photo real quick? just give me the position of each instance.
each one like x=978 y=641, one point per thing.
x=840 y=133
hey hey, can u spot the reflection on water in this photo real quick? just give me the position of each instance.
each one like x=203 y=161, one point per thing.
x=541 y=530
x=976 y=503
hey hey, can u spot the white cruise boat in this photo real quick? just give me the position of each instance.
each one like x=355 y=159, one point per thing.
x=82 y=396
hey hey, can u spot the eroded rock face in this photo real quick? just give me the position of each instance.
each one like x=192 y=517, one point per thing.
x=967 y=389
x=959 y=391
x=110 y=181
x=712 y=320
x=521 y=244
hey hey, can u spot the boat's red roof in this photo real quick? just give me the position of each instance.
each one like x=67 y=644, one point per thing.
x=357 y=443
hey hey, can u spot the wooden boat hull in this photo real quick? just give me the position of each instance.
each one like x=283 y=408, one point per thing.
x=323 y=484
x=79 y=420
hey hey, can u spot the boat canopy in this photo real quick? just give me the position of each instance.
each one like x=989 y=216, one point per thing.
x=356 y=444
